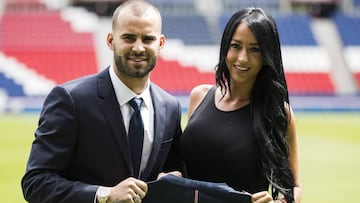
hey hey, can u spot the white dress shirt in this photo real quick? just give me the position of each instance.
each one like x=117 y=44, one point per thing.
x=124 y=95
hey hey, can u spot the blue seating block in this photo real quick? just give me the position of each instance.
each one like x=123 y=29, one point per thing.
x=11 y=88
x=293 y=29
x=191 y=29
x=349 y=29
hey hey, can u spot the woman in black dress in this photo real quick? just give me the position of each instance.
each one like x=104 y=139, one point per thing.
x=242 y=131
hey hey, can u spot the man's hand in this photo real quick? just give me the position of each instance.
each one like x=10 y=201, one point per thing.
x=130 y=190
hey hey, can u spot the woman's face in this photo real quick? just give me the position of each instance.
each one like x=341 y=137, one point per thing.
x=244 y=59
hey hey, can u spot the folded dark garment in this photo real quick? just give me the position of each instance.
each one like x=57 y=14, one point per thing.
x=175 y=189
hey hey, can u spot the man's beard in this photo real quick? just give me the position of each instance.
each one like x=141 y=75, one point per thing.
x=133 y=72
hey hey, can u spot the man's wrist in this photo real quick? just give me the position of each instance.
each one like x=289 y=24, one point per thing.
x=102 y=194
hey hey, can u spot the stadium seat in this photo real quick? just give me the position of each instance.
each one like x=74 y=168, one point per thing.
x=58 y=53
x=179 y=79
x=175 y=7
x=230 y=6
x=349 y=30
x=52 y=48
x=24 y=5
x=191 y=29
x=10 y=86
x=293 y=29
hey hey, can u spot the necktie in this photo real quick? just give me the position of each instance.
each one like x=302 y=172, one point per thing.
x=136 y=134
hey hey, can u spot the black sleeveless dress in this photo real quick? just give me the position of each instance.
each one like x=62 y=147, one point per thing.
x=218 y=146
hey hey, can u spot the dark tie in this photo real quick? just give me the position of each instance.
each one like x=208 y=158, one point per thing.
x=136 y=134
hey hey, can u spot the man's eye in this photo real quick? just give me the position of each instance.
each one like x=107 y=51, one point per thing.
x=129 y=38
x=148 y=39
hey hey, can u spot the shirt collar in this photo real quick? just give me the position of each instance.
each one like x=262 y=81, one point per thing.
x=124 y=94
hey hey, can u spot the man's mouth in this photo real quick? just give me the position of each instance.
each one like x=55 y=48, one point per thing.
x=137 y=59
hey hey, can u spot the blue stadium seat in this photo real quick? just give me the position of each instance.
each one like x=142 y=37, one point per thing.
x=349 y=29
x=191 y=29
x=231 y=6
x=293 y=29
x=9 y=85
x=175 y=6
x=356 y=3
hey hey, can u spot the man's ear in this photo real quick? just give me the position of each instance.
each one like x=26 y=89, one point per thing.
x=110 y=41
x=162 y=41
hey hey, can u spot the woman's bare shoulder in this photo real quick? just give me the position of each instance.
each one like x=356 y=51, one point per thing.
x=201 y=90
x=196 y=96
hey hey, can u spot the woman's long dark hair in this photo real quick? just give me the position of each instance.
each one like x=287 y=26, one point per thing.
x=268 y=97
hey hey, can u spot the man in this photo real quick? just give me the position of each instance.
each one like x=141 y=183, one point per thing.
x=82 y=150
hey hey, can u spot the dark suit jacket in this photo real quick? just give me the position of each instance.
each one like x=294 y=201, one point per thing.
x=81 y=141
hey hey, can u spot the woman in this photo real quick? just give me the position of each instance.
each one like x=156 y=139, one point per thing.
x=242 y=131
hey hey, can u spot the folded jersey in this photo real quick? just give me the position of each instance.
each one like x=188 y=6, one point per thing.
x=176 y=189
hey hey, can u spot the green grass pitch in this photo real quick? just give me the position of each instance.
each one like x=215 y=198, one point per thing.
x=329 y=155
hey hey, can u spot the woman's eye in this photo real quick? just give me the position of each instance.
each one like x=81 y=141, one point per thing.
x=255 y=50
x=235 y=46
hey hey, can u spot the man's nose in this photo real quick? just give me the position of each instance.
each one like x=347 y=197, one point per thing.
x=138 y=47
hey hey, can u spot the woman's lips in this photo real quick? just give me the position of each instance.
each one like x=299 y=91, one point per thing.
x=239 y=68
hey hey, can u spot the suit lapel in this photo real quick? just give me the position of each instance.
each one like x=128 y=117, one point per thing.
x=159 y=129
x=112 y=113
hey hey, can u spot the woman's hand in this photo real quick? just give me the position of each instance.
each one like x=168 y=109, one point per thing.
x=175 y=173
x=264 y=197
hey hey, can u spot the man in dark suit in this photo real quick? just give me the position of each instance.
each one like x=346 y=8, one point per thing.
x=81 y=151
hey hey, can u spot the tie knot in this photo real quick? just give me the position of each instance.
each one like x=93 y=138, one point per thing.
x=135 y=103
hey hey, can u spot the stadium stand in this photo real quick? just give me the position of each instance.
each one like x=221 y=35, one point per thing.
x=24 y=5
x=293 y=29
x=43 y=41
x=177 y=78
x=31 y=83
x=306 y=65
x=43 y=46
x=13 y=89
x=230 y=6
x=349 y=29
x=191 y=29
x=175 y=7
